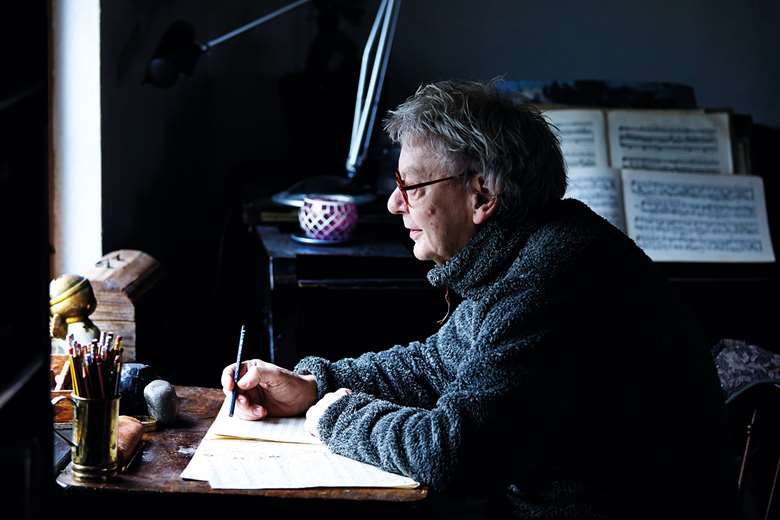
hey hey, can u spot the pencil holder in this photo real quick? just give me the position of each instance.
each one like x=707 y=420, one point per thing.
x=93 y=448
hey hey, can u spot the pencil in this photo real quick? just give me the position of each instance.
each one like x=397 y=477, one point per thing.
x=85 y=377
x=99 y=366
x=117 y=372
x=73 y=383
x=235 y=373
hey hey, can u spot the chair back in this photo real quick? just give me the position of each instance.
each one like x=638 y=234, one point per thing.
x=750 y=377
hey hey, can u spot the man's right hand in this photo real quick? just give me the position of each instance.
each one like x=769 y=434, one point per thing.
x=266 y=390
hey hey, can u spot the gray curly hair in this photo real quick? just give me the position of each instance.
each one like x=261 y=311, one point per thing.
x=473 y=126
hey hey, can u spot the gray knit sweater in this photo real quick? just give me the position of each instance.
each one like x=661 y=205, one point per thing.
x=561 y=381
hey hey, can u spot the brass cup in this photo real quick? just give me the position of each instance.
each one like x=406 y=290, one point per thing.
x=93 y=448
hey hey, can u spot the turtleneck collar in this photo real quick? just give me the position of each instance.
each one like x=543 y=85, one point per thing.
x=485 y=257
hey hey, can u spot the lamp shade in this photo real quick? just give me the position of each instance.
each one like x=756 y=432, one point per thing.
x=177 y=54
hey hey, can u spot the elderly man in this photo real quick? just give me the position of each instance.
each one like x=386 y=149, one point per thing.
x=567 y=383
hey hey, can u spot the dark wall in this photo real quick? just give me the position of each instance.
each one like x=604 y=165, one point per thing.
x=728 y=51
x=261 y=112
x=25 y=411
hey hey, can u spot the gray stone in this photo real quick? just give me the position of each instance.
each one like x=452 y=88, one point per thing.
x=134 y=378
x=162 y=401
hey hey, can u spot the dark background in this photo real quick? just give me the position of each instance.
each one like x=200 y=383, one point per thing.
x=262 y=112
x=25 y=412
x=270 y=107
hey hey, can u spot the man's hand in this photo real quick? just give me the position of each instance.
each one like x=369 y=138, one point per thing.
x=314 y=413
x=266 y=390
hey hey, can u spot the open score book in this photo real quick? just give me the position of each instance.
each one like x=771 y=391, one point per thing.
x=277 y=454
x=666 y=179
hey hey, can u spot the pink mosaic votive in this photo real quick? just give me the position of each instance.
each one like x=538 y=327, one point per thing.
x=328 y=217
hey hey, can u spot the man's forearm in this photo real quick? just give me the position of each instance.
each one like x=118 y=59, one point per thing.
x=404 y=375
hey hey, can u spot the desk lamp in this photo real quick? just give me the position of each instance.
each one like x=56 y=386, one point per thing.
x=178 y=52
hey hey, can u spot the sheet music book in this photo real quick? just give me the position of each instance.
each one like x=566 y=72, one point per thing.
x=678 y=217
x=687 y=141
x=234 y=459
x=583 y=137
x=602 y=190
x=681 y=141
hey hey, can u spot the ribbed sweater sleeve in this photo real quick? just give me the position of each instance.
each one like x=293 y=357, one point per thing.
x=411 y=375
x=431 y=445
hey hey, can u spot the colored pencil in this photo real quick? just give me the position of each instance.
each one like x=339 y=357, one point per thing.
x=96 y=368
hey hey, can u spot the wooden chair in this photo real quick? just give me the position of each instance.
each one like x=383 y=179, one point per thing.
x=749 y=376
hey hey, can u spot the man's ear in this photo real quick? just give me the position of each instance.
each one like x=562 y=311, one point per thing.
x=485 y=202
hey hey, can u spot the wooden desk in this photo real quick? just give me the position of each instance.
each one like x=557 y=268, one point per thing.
x=154 y=475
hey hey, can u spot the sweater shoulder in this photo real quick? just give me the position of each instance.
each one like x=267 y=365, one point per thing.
x=570 y=244
x=568 y=236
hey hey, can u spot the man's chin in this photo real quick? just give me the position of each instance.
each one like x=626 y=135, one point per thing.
x=424 y=256
x=420 y=253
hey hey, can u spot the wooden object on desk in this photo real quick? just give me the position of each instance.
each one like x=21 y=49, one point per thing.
x=167 y=452
x=60 y=365
x=129 y=436
x=62 y=413
x=120 y=279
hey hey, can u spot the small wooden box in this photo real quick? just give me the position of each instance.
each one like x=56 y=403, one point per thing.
x=59 y=367
x=120 y=280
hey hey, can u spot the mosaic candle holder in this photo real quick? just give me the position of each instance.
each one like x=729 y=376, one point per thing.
x=328 y=217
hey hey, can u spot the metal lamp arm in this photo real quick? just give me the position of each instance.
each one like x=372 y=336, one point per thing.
x=369 y=99
x=251 y=25
x=359 y=99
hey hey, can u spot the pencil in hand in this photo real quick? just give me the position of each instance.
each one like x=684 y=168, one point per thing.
x=236 y=372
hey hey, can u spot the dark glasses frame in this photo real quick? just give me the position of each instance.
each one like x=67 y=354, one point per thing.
x=403 y=188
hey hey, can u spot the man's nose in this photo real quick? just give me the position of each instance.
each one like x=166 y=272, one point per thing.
x=395 y=204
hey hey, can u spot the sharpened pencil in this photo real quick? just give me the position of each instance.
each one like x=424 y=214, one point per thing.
x=95 y=371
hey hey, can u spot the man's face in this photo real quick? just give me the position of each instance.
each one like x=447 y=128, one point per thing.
x=439 y=217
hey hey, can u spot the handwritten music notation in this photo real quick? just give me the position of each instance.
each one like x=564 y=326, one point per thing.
x=277 y=454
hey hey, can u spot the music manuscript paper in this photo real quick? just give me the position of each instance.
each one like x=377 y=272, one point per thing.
x=232 y=456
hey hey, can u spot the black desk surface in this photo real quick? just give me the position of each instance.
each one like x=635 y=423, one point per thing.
x=279 y=244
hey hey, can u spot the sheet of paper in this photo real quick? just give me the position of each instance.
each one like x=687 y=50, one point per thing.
x=280 y=429
x=234 y=463
x=582 y=135
x=688 y=141
x=697 y=218
x=601 y=189
x=198 y=469
x=237 y=464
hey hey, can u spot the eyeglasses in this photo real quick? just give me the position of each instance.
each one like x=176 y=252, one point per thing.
x=403 y=188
